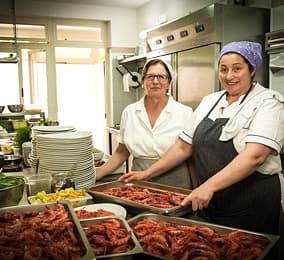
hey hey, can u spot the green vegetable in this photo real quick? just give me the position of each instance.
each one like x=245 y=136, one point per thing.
x=8 y=181
x=23 y=134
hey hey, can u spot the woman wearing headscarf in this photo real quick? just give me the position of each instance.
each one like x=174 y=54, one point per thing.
x=235 y=139
x=150 y=126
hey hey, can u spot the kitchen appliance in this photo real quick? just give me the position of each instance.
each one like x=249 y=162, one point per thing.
x=274 y=45
x=191 y=45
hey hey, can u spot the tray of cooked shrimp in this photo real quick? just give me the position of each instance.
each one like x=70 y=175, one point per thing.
x=111 y=237
x=45 y=231
x=175 y=238
x=143 y=196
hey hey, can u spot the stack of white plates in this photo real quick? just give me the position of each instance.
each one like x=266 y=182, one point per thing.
x=62 y=152
x=37 y=130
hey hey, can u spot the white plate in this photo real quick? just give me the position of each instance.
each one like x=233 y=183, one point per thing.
x=53 y=128
x=116 y=209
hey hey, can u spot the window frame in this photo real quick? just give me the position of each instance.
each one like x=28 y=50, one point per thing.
x=49 y=44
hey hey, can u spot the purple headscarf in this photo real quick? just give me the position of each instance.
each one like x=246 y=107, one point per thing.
x=251 y=51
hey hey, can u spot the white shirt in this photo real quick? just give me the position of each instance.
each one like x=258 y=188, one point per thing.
x=259 y=119
x=143 y=141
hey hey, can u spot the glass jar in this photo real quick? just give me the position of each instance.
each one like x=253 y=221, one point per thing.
x=61 y=181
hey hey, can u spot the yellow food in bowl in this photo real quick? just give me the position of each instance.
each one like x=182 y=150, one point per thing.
x=77 y=197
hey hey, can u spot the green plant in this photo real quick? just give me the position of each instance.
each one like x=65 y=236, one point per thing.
x=23 y=134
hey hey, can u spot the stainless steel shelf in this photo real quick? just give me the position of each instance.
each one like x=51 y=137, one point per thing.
x=20 y=114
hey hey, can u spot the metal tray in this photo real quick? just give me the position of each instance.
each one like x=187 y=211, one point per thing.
x=83 y=241
x=219 y=228
x=137 y=249
x=136 y=208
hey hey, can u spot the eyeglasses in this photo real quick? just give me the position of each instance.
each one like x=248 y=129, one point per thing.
x=160 y=78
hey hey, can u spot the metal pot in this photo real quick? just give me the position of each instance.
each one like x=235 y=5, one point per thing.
x=11 y=196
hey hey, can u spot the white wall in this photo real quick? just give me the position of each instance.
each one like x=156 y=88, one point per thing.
x=123 y=20
x=149 y=14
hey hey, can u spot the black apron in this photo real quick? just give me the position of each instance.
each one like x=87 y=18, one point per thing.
x=251 y=204
x=178 y=176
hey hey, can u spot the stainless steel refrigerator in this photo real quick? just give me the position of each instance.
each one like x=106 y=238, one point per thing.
x=191 y=45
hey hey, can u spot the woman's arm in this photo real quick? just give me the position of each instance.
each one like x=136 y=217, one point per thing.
x=174 y=156
x=116 y=160
x=238 y=169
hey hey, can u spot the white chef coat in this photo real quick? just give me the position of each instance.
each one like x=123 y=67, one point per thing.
x=260 y=119
x=145 y=142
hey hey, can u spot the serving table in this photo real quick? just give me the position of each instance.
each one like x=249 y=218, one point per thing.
x=28 y=171
x=189 y=216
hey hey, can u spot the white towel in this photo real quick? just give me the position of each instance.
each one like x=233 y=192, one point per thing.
x=129 y=82
x=125 y=80
x=133 y=83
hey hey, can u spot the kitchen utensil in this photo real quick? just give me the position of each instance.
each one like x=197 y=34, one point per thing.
x=111 y=207
x=54 y=197
x=37 y=183
x=39 y=209
x=135 y=207
x=12 y=163
x=61 y=181
x=175 y=221
x=128 y=253
x=15 y=108
x=11 y=196
x=98 y=154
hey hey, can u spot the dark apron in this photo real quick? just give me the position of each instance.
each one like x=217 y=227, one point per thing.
x=178 y=176
x=251 y=204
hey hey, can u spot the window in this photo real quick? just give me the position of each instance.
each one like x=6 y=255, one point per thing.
x=78 y=33
x=80 y=90
x=23 y=32
x=9 y=83
x=71 y=64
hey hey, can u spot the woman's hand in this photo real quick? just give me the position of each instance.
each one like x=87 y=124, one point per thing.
x=199 y=197
x=133 y=176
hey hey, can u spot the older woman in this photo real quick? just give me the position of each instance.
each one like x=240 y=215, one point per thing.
x=150 y=126
x=235 y=139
